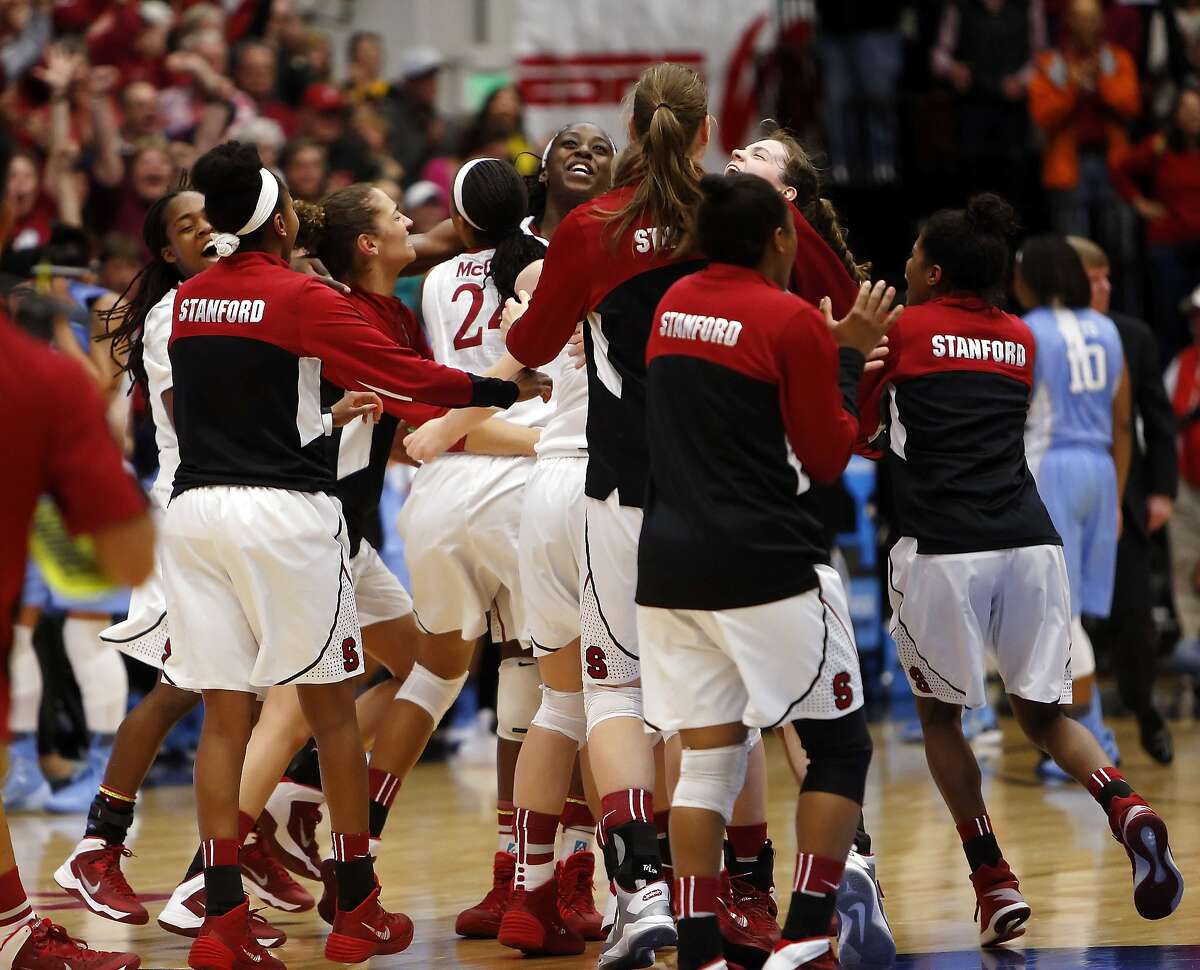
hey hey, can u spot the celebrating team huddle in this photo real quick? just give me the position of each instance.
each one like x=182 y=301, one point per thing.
x=629 y=377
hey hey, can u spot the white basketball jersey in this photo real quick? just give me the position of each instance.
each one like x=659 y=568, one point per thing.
x=462 y=320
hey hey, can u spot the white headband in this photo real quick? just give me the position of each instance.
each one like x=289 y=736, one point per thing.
x=226 y=243
x=458 y=187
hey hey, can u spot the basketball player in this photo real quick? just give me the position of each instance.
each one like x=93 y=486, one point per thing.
x=824 y=269
x=1078 y=442
x=610 y=262
x=360 y=235
x=576 y=167
x=461 y=520
x=745 y=377
x=255 y=550
x=980 y=566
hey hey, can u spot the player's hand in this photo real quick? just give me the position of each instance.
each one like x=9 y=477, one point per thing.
x=1148 y=209
x=357 y=404
x=1159 y=509
x=872 y=316
x=311 y=266
x=875 y=359
x=514 y=309
x=533 y=383
x=575 y=348
x=429 y=441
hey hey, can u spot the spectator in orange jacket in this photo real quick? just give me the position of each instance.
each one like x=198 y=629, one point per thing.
x=1082 y=95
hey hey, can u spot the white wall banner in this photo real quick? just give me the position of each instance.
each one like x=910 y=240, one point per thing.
x=576 y=61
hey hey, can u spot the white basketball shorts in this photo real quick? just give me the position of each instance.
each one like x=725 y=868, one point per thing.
x=378 y=594
x=608 y=613
x=461 y=527
x=551 y=551
x=762 y=665
x=258 y=589
x=144 y=634
x=949 y=611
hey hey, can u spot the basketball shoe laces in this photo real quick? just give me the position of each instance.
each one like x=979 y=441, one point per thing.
x=575 y=884
x=109 y=864
x=52 y=940
x=750 y=900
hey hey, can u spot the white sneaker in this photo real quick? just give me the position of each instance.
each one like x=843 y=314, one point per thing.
x=793 y=956
x=864 y=936
x=185 y=911
x=288 y=827
x=643 y=924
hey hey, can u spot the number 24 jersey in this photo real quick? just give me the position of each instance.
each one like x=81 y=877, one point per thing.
x=461 y=308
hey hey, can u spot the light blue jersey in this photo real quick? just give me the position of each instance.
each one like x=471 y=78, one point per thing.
x=1075 y=377
x=1068 y=442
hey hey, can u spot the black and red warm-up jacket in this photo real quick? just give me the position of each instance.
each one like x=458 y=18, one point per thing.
x=750 y=400
x=259 y=353
x=614 y=282
x=948 y=409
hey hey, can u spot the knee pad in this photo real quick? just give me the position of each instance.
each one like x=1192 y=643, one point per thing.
x=433 y=694
x=518 y=694
x=1083 y=657
x=839 y=754
x=563 y=713
x=602 y=704
x=711 y=778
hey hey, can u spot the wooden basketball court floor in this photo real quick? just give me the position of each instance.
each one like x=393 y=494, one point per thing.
x=440 y=839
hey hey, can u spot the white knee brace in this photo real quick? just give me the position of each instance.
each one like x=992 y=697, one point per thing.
x=711 y=778
x=563 y=712
x=602 y=704
x=518 y=694
x=434 y=695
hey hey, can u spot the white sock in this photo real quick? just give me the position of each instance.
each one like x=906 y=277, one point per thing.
x=575 y=840
x=100 y=673
x=25 y=674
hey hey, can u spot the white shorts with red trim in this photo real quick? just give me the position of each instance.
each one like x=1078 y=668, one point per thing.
x=378 y=594
x=461 y=527
x=608 y=614
x=258 y=589
x=950 y=611
x=551 y=551
x=762 y=665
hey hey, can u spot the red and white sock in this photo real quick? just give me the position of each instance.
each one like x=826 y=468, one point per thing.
x=747 y=841
x=695 y=897
x=622 y=807
x=817 y=875
x=579 y=827
x=534 y=834
x=504 y=828
x=220 y=852
x=15 y=909
x=350 y=846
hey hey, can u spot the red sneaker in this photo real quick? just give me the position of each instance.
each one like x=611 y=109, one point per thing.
x=533 y=923
x=576 y=876
x=1000 y=908
x=92 y=873
x=226 y=942
x=752 y=887
x=185 y=913
x=482 y=921
x=810 y=954
x=368 y=931
x=47 y=946
x=1157 y=881
x=272 y=883
x=288 y=826
x=745 y=941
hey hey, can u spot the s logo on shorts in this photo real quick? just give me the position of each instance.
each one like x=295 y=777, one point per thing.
x=166 y=654
x=918 y=679
x=843 y=691
x=597 y=664
x=350 y=654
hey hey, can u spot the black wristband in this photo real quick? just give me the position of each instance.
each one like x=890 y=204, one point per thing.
x=850 y=371
x=492 y=392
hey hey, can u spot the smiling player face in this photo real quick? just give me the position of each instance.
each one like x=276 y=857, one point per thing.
x=766 y=158
x=580 y=161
